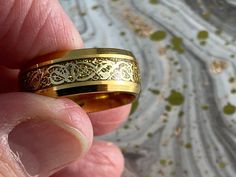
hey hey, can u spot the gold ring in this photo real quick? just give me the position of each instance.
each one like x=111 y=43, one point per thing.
x=97 y=79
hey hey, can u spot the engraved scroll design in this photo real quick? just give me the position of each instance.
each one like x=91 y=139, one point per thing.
x=91 y=69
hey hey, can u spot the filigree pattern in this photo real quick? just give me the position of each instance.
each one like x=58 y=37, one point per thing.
x=81 y=70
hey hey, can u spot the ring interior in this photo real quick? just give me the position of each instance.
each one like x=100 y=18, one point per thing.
x=94 y=102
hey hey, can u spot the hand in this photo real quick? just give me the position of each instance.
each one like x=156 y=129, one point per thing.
x=41 y=135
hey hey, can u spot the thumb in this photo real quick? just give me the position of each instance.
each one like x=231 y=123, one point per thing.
x=40 y=135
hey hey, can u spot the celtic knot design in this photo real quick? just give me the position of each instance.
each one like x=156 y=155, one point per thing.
x=81 y=70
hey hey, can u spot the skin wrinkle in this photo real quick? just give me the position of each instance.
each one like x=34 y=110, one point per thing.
x=62 y=21
x=8 y=13
x=16 y=157
x=37 y=28
x=107 y=163
x=106 y=159
x=71 y=119
x=58 y=26
x=4 y=170
x=65 y=31
x=5 y=33
x=15 y=21
x=101 y=157
x=55 y=29
x=8 y=124
x=42 y=14
x=24 y=20
x=7 y=168
x=38 y=33
x=97 y=159
x=63 y=27
x=53 y=39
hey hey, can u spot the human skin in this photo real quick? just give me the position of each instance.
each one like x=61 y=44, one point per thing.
x=41 y=135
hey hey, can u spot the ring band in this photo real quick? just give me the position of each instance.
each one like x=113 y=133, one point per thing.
x=97 y=79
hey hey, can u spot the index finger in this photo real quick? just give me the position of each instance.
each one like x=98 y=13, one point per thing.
x=30 y=28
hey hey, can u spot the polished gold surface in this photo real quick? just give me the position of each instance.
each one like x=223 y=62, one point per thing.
x=97 y=79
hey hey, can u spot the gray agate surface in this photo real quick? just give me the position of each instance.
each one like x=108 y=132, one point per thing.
x=184 y=123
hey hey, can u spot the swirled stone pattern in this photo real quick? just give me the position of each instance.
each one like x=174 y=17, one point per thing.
x=81 y=70
x=184 y=124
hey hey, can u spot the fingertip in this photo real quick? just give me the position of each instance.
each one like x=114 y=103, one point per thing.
x=21 y=107
x=48 y=133
x=103 y=160
x=106 y=121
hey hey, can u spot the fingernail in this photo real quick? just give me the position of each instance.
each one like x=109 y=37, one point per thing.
x=45 y=146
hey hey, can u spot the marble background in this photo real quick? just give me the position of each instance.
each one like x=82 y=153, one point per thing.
x=184 y=124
